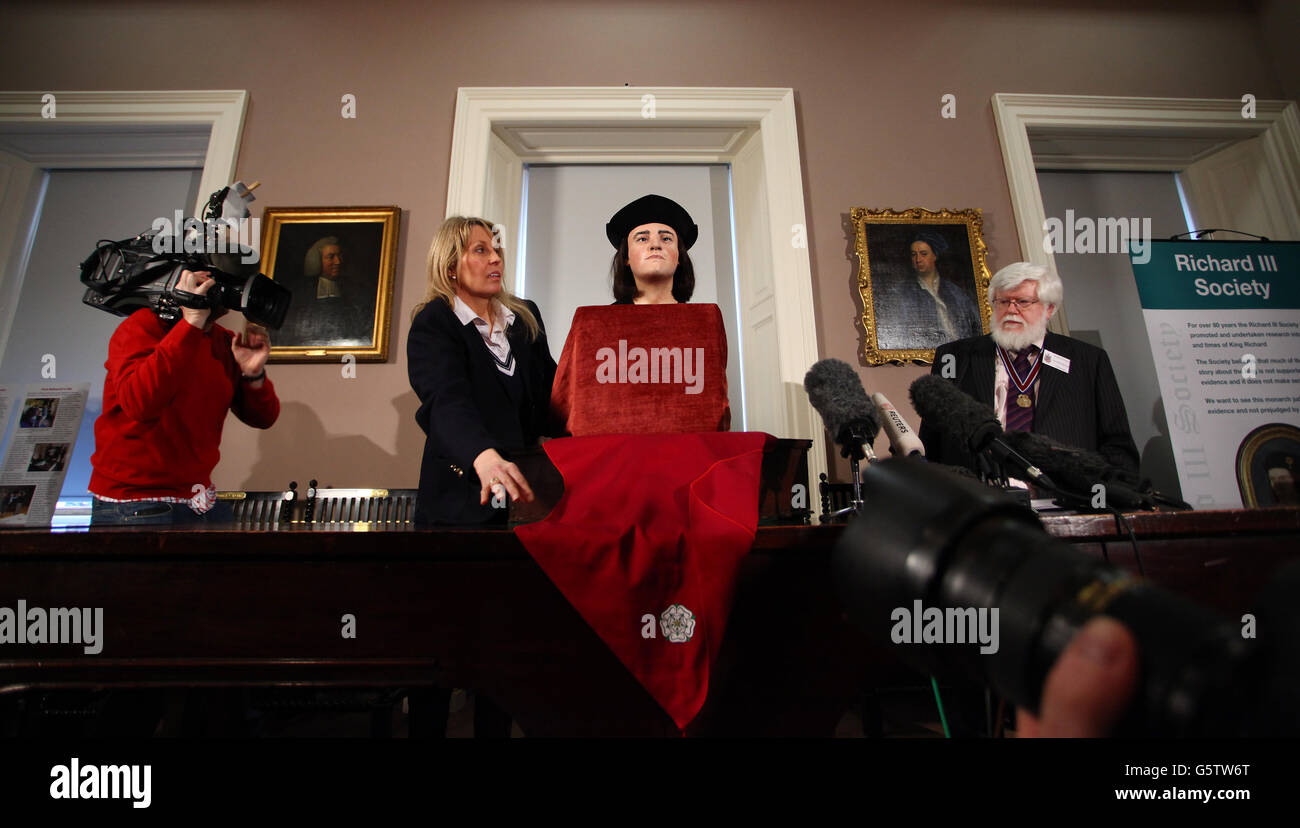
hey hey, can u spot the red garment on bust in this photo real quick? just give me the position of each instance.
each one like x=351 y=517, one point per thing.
x=653 y=525
x=643 y=369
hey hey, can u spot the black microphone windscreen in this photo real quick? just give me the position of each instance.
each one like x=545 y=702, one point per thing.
x=957 y=471
x=1065 y=464
x=836 y=391
x=946 y=407
x=1076 y=469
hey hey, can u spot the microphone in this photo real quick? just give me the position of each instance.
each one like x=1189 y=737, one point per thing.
x=1079 y=470
x=902 y=440
x=972 y=423
x=836 y=391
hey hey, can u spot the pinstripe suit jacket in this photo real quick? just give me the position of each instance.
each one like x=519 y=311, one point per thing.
x=1082 y=408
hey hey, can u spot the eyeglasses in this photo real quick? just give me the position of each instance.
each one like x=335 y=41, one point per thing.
x=1020 y=304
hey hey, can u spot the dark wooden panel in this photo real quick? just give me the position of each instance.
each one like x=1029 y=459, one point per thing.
x=469 y=608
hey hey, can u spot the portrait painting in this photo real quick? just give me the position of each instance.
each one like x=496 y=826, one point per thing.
x=923 y=280
x=339 y=263
x=1268 y=466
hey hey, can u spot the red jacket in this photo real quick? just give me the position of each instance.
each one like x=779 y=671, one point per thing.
x=165 y=402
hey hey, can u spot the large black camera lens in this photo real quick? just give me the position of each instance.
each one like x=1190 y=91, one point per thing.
x=264 y=301
x=928 y=540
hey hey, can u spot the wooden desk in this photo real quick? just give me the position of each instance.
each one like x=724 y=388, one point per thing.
x=469 y=608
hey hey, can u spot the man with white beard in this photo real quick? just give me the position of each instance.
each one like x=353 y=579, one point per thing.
x=1034 y=380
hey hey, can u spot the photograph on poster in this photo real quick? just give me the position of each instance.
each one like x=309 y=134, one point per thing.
x=48 y=457
x=39 y=412
x=15 y=501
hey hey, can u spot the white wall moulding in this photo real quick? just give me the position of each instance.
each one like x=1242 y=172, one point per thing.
x=498 y=129
x=139 y=129
x=221 y=110
x=1113 y=133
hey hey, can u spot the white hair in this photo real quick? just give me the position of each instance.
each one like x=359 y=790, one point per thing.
x=1050 y=289
x=311 y=264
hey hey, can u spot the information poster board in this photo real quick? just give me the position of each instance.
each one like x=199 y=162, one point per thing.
x=1224 y=323
x=36 y=461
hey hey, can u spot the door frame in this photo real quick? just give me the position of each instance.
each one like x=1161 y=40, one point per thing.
x=1277 y=122
x=159 y=112
x=753 y=129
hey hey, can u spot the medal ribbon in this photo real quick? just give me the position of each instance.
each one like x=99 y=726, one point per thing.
x=1022 y=385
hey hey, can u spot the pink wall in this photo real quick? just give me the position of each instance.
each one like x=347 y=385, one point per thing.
x=868 y=77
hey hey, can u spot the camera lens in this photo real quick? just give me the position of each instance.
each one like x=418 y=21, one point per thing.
x=934 y=542
x=265 y=302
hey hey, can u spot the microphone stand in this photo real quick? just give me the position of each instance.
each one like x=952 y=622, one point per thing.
x=857 y=448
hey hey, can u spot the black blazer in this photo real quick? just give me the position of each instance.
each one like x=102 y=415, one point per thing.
x=1082 y=408
x=465 y=408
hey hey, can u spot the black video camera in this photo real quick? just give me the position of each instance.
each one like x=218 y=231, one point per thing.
x=144 y=271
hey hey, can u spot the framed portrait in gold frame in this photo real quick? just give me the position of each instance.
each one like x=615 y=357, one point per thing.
x=1268 y=466
x=340 y=263
x=923 y=280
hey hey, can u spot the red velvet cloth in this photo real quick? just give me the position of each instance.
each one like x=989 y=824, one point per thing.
x=624 y=370
x=653 y=525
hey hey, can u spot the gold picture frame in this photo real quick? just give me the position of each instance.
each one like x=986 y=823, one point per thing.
x=1269 y=450
x=350 y=313
x=900 y=319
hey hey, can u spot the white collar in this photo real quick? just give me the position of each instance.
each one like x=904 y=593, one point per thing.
x=327 y=288
x=921 y=284
x=466 y=314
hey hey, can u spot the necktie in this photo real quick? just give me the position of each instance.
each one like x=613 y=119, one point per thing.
x=1020 y=417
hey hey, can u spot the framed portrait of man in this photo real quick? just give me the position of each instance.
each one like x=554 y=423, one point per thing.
x=923 y=279
x=340 y=264
x=1268 y=466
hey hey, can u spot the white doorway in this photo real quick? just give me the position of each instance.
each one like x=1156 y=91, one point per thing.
x=566 y=256
x=1174 y=162
x=78 y=167
x=1104 y=307
x=1180 y=135
x=78 y=208
x=500 y=129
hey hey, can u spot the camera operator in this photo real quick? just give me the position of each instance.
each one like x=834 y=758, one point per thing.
x=165 y=401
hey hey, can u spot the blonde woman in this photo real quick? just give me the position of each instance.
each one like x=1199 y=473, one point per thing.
x=479 y=362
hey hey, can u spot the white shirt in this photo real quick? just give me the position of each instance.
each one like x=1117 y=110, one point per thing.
x=496 y=341
x=945 y=319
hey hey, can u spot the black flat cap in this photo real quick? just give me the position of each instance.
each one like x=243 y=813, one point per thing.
x=652 y=209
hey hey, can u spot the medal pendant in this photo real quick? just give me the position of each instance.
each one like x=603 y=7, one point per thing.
x=1023 y=401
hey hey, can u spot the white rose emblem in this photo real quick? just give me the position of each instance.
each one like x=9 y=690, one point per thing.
x=677 y=624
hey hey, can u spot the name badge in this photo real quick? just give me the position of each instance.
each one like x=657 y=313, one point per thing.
x=1056 y=361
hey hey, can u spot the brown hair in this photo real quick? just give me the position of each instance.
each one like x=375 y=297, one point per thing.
x=625 y=283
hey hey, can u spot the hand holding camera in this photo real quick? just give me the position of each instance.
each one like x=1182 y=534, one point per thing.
x=197 y=284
